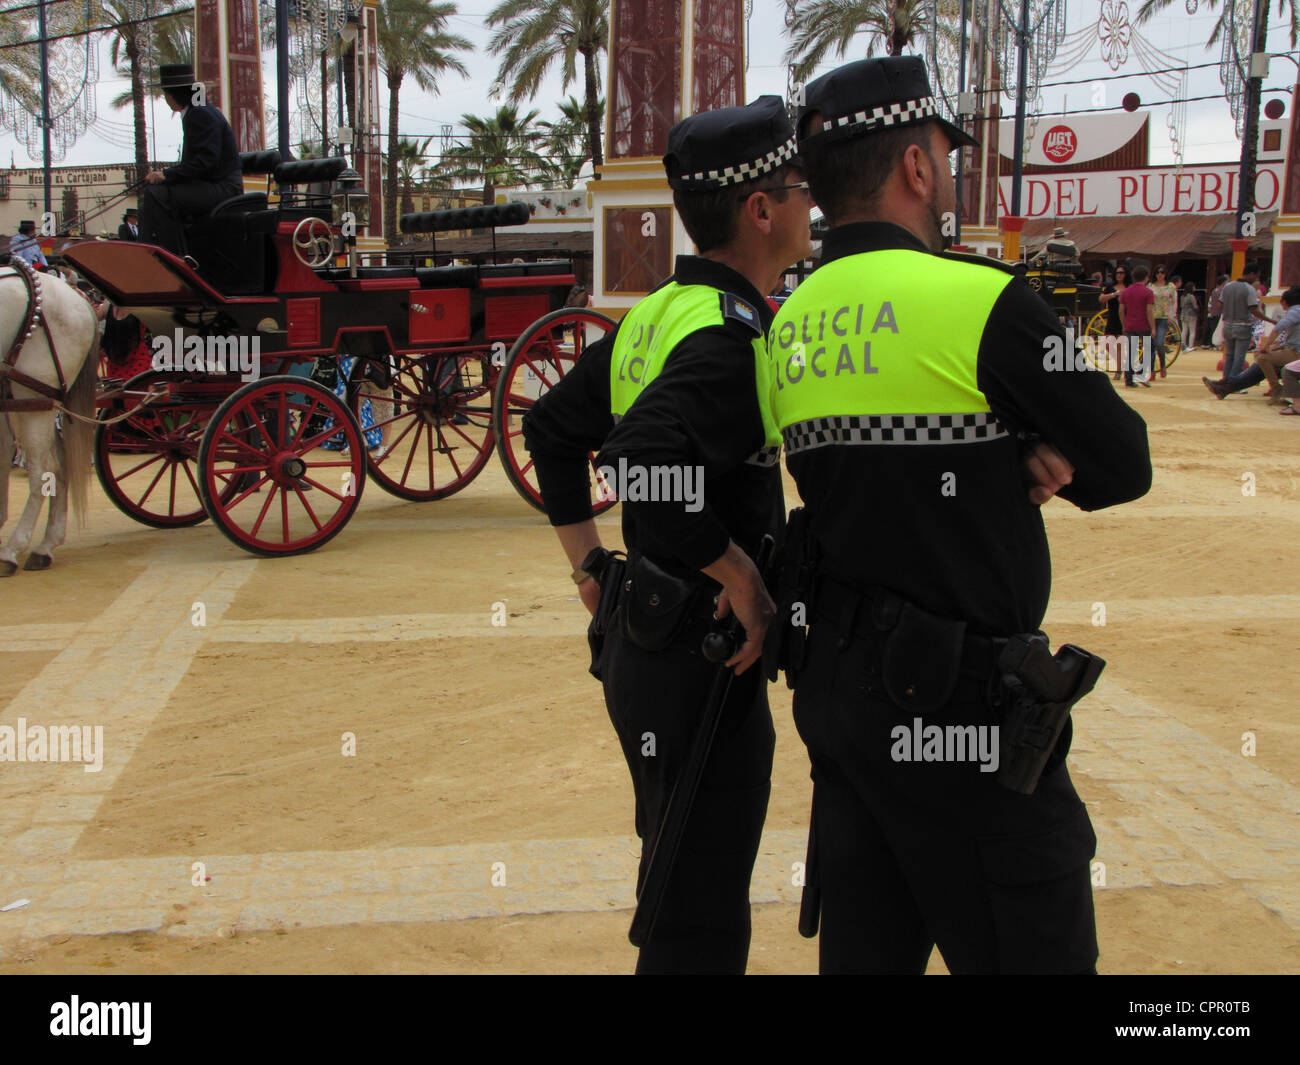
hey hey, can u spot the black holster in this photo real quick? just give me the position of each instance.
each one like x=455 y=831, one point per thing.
x=1041 y=689
x=610 y=580
x=656 y=605
x=792 y=584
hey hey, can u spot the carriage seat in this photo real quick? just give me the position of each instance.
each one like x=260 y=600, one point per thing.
x=241 y=204
x=539 y=269
x=343 y=273
x=447 y=276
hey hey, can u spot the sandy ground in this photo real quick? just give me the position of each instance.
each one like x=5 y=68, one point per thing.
x=469 y=736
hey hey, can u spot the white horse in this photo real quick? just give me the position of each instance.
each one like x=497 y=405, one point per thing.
x=58 y=462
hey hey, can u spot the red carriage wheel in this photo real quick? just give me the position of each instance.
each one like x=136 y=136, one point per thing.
x=148 y=463
x=291 y=495
x=434 y=413
x=544 y=352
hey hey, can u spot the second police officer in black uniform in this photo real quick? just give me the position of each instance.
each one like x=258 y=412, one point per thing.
x=908 y=385
x=678 y=392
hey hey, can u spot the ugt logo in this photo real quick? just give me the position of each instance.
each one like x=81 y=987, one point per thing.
x=1059 y=144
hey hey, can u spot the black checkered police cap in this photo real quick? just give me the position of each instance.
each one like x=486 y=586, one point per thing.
x=715 y=149
x=871 y=95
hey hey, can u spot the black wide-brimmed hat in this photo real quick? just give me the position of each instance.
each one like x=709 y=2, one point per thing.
x=871 y=95
x=715 y=149
x=26 y=223
x=131 y=212
x=175 y=76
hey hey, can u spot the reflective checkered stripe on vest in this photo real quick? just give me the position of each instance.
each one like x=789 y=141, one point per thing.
x=655 y=326
x=881 y=348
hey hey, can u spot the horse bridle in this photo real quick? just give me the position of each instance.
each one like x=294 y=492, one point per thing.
x=8 y=368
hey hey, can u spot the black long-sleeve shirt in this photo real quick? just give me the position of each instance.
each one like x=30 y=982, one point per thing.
x=701 y=411
x=978 y=551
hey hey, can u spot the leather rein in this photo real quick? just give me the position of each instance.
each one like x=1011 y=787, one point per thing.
x=9 y=371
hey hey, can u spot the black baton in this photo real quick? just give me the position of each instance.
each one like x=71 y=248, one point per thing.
x=718 y=647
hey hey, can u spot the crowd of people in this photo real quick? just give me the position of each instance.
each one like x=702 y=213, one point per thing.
x=1140 y=307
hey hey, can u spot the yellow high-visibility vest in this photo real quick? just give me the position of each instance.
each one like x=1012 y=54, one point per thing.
x=880 y=348
x=655 y=326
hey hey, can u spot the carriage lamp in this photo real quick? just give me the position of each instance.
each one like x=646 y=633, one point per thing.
x=351 y=202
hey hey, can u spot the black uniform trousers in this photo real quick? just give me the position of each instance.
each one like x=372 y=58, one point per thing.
x=164 y=207
x=655 y=701
x=910 y=853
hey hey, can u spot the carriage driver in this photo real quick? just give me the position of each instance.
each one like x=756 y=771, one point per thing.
x=682 y=377
x=208 y=172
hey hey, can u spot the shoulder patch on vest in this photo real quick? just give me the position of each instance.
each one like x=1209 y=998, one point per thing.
x=979 y=260
x=742 y=311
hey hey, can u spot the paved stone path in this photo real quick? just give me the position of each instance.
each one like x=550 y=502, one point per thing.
x=1193 y=812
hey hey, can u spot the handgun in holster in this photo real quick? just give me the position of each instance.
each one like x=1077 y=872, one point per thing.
x=606 y=568
x=1041 y=689
x=792 y=581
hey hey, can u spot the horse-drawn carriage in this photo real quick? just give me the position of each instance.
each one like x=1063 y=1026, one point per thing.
x=446 y=358
x=1056 y=274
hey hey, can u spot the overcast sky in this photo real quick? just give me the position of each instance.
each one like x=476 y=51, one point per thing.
x=1209 y=132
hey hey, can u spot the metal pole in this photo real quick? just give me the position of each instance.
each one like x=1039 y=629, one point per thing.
x=1246 y=179
x=282 y=75
x=45 y=112
x=1022 y=89
x=961 y=89
x=324 y=103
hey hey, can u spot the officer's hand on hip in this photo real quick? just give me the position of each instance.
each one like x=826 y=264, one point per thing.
x=1049 y=471
x=743 y=593
x=155 y=177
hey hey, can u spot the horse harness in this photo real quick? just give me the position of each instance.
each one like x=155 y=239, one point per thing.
x=9 y=371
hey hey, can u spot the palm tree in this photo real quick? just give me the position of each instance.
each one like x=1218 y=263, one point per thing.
x=20 y=68
x=564 y=143
x=127 y=56
x=496 y=152
x=414 y=42
x=410 y=158
x=820 y=25
x=535 y=33
x=172 y=41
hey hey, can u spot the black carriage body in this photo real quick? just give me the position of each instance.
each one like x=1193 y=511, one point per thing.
x=384 y=310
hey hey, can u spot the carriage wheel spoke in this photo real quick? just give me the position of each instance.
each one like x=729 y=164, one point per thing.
x=411 y=457
x=137 y=469
x=270 y=498
x=251 y=490
x=239 y=444
x=328 y=491
x=302 y=498
x=432 y=479
x=152 y=485
x=193 y=483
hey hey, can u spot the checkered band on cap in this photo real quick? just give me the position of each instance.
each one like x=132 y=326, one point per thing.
x=906 y=113
x=892 y=429
x=734 y=175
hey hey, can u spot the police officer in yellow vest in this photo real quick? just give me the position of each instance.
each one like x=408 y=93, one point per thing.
x=674 y=401
x=908 y=384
